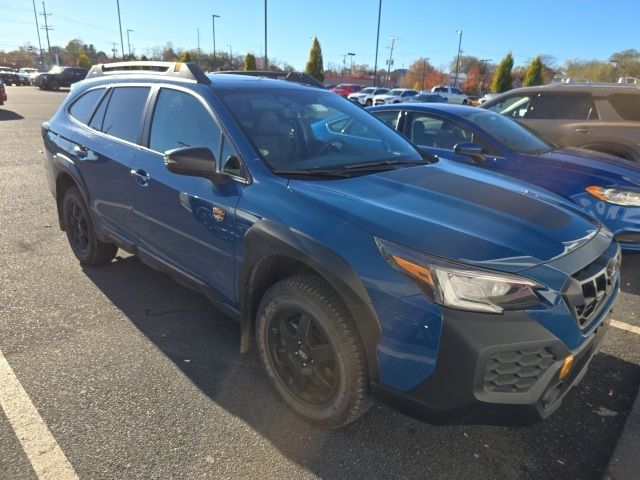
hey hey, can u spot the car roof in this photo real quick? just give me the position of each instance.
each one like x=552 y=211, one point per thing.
x=448 y=108
x=594 y=88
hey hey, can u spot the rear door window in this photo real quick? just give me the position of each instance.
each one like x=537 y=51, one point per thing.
x=563 y=106
x=123 y=117
x=84 y=106
x=627 y=105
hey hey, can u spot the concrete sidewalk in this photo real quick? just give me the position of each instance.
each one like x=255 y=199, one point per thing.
x=625 y=461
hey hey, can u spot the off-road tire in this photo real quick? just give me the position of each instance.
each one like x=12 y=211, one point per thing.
x=90 y=251
x=313 y=296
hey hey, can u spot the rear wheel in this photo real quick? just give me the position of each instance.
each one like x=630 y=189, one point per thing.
x=81 y=231
x=312 y=352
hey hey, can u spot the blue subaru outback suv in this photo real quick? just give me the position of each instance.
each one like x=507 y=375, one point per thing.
x=357 y=267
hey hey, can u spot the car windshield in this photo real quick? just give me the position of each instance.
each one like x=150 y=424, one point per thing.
x=55 y=69
x=368 y=90
x=311 y=130
x=395 y=92
x=508 y=132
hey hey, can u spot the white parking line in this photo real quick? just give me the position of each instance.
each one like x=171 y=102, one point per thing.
x=625 y=326
x=44 y=453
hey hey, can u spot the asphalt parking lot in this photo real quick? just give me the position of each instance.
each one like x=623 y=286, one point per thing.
x=137 y=377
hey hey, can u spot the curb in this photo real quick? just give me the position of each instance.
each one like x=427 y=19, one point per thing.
x=625 y=461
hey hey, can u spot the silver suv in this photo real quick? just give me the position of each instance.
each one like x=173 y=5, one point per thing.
x=601 y=117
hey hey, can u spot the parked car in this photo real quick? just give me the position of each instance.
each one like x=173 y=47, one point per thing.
x=606 y=187
x=60 y=77
x=3 y=93
x=357 y=263
x=29 y=74
x=397 y=95
x=605 y=118
x=365 y=96
x=9 y=76
x=345 y=89
x=452 y=94
x=427 y=97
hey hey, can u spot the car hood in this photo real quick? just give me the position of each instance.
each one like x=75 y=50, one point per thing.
x=498 y=224
x=568 y=171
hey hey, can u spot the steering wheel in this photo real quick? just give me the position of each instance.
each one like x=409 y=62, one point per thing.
x=334 y=145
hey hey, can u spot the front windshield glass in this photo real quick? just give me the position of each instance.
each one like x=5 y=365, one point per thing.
x=508 y=132
x=55 y=69
x=314 y=130
x=368 y=90
x=395 y=92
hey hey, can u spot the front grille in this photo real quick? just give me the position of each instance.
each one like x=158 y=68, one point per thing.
x=588 y=288
x=379 y=102
x=516 y=371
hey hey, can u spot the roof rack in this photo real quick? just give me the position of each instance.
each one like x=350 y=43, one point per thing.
x=189 y=71
x=296 y=77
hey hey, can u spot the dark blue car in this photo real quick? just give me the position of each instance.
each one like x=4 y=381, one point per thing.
x=356 y=268
x=604 y=186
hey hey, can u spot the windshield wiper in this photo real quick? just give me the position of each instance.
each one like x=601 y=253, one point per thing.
x=312 y=172
x=380 y=165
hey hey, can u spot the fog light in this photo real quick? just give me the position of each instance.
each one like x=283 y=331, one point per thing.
x=566 y=367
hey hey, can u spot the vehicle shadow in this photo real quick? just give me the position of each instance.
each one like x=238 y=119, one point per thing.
x=203 y=344
x=8 y=115
x=630 y=275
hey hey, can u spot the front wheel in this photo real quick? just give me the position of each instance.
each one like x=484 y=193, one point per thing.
x=312 y=352
x=81 y=232
x=368 y=103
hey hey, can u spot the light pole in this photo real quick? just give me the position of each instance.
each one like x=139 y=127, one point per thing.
x=120 y=24
x=615 y=70
x=35 y=14
x=129 y=41
x=455 y=82
x=265 y=37
x=390 y=62
x=424 y=69
x=213 y=23
x=351 y=54
x=375 y=65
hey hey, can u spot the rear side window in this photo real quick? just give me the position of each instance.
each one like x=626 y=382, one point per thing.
x=389 y=117
x=124 y=112
x=563 y=106
x=627 y=105
x=181 y=120
x=84 y=106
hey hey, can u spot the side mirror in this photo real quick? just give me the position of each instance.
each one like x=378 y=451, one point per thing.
x=471 y=150
x=195 y=162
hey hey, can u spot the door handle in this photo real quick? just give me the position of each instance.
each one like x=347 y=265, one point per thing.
x=141 y=177
x=585 y=131
x=80 y=152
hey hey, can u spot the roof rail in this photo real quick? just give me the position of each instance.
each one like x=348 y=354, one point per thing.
x=189 y=71
x=296 y=77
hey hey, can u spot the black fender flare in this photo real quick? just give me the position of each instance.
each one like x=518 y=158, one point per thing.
x=266 y=239
x=63 y=165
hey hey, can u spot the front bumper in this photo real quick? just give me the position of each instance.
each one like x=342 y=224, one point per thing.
x=496 y=370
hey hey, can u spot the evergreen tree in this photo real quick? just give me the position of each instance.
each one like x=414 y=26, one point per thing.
x=250 y=62
x=83 y=61
x=143 y=57
x=315 y=66
x=502 y=76
x=533 y=76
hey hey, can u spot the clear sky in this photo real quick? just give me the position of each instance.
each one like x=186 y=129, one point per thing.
x=566 y=29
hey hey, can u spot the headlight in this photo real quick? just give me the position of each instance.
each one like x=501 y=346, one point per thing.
x=628 y=198
x=460 y=286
